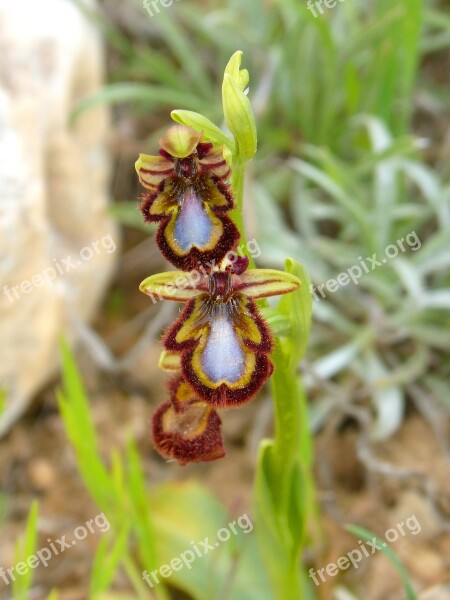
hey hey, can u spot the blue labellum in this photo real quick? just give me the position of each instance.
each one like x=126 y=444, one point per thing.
x=223 y=358
x=193 y=227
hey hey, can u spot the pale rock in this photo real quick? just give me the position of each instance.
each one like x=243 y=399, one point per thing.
x=53 y=190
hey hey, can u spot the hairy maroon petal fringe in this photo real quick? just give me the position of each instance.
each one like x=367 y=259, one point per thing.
x=186 y=429
x=181 y=393
x=224 y=396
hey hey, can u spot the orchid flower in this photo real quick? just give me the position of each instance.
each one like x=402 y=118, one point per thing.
x=221 y=338
x=185 y=428
x=189 y=196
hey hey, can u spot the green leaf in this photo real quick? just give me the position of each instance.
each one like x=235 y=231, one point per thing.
x=182 y=46
x=3 y=396
x=119 y=492
x=106 y=562
x=279 y=324
x=239 y=118
x=273 y=533
x=24 y=549
x=140 y=508
x=74 y=409
x=297 y=306
x=369 y=536
x=335 y=190
x=148 y=94
x=187 y=514
x=284 y=490
x=297 y=506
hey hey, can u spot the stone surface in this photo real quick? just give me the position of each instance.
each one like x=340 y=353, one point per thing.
x=57 y=242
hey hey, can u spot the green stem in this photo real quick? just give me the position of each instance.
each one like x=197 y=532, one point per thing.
x=293 y=443
x=237 y=215
x=287 y=414
x=289 y=428
x=292 y=452
x=292 y=436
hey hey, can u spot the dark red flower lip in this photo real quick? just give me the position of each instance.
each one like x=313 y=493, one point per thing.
x=173 y=445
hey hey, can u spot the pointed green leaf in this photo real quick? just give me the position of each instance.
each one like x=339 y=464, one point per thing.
x=106 y=562
x=23 y=550
x=298 y=308
x=369 y=537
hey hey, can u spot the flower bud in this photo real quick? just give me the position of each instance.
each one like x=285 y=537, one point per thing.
x=237 y=108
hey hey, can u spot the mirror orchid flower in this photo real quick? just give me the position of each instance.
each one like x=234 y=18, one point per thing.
x=188 y=195
x=220 y=339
